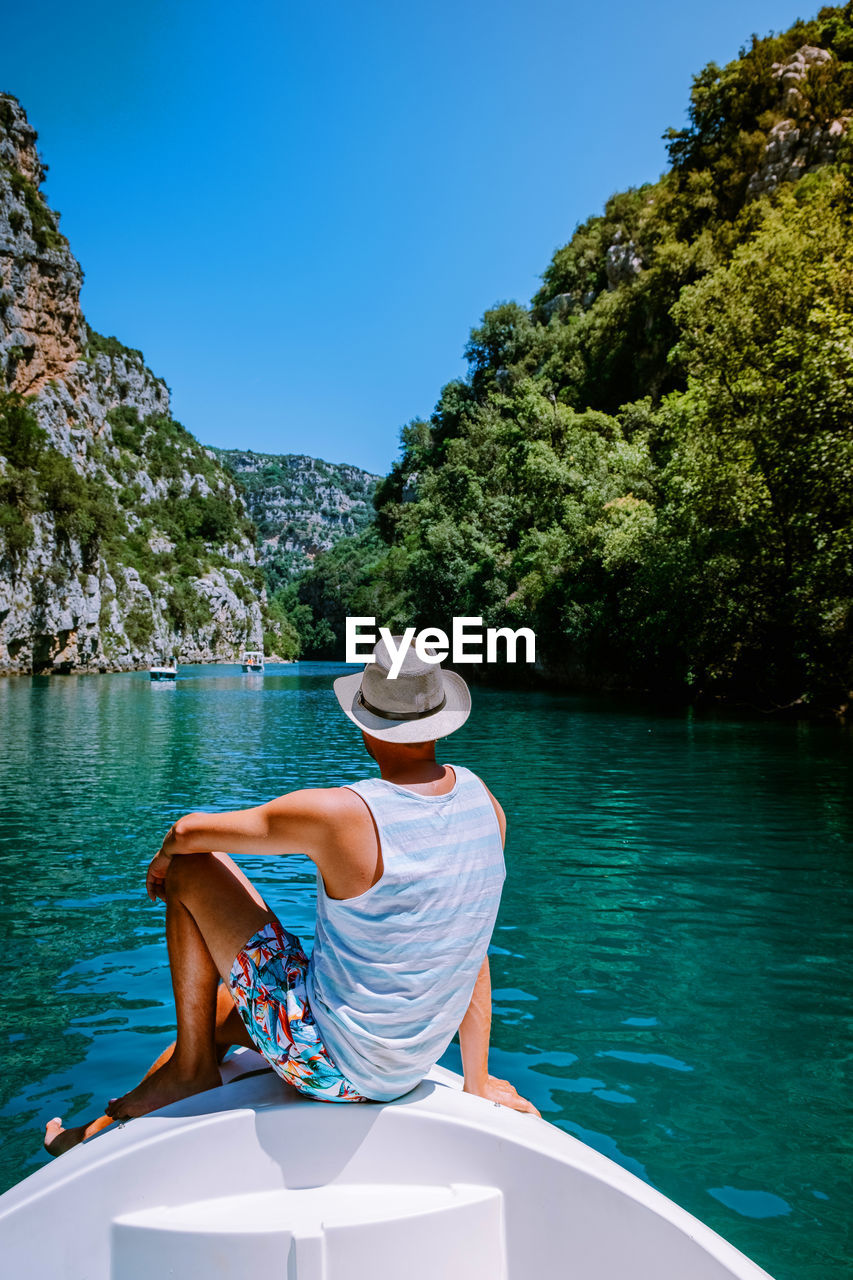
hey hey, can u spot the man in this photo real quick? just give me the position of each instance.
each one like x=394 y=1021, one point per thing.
x=410 y=870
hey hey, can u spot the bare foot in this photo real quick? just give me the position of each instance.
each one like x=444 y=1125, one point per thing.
x=58 y=1140
x=162 y=1087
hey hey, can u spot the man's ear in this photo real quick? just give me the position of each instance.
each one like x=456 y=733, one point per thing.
x=367 y=746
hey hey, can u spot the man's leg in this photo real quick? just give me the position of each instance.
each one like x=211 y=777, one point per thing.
x=211 y=912
x=229 y=1031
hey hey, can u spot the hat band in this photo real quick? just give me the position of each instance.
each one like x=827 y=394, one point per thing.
x=399 y=715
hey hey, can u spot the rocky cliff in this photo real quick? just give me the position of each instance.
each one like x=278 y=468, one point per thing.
x=300 y=505
x=121 y=538
x=797 y=143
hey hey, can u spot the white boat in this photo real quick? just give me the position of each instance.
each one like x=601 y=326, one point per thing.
x=253 y=1179
x=164 y=670
x=253 y=660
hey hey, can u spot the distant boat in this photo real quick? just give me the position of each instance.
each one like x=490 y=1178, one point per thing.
x=164 y=671
x=253 y=660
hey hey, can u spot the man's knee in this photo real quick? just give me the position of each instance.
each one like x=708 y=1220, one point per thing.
x=184 y=869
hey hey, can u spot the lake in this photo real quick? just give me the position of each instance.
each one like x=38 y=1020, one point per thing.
x=671 y=964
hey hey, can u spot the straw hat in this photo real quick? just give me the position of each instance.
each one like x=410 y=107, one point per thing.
x=422 y=703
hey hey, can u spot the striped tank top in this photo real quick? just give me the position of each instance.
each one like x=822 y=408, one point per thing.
x=392 y=971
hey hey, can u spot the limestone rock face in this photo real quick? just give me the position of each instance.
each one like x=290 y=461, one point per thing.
x=43 y=328
x=301 y=505
x=78 y=589
x=561 y=304
x=794 y=70
x=623 y=262
x=796 y=144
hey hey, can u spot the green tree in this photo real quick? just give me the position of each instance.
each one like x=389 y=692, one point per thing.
x=763 y=446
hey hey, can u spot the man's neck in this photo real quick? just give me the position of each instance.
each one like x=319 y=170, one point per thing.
x=407 y=775
x=407 y=764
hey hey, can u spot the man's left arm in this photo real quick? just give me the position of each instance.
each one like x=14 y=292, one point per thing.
x=300 y=822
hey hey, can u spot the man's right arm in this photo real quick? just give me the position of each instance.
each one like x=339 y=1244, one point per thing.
x=474 y=1031
x=474 y=1043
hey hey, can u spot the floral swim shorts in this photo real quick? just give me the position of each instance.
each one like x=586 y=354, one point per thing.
x=267 y=984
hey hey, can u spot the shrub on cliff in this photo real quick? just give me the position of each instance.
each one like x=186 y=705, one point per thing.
x=187 y=609
x=36 y=477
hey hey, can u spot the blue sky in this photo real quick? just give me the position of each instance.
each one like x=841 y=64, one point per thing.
x=298 y=212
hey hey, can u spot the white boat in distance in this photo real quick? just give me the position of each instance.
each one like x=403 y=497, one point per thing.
x=255 y=1179
x=253 y=660
x=164 y=671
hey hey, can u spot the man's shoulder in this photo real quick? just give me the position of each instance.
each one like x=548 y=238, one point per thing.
x=471 y=774
x=498 y=808
x=320 y=802
x=324 y=821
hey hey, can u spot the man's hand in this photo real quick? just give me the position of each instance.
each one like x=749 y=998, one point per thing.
x=155 y=880
x=503 y=1092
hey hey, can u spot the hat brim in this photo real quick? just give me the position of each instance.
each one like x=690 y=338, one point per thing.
x=438 y=724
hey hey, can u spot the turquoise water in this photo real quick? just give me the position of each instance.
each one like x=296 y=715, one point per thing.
x=671 y=962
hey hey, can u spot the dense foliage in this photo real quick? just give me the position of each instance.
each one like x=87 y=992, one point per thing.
x=652 y=464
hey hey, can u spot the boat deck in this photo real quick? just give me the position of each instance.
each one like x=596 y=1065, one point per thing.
x=253 y=1178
